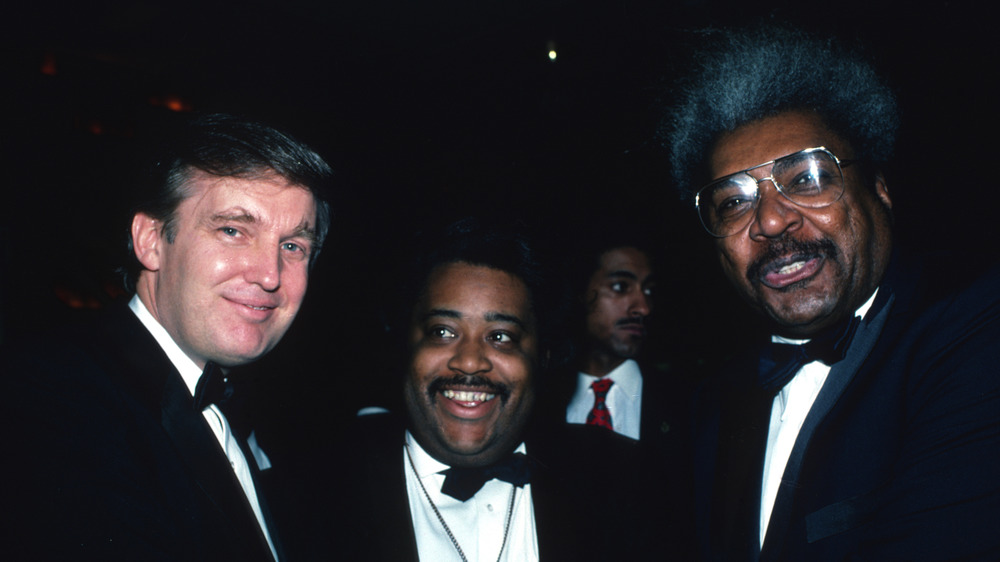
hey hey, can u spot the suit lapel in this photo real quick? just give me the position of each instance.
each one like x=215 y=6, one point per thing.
x=390 y=535
x=199 y=449
x=840 y=377
x=740 y=472
x=140 y=364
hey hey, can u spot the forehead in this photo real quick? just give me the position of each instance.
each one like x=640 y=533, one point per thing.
x=263 y=196
x=771 y=138
x=475 y=291
x=622 y=260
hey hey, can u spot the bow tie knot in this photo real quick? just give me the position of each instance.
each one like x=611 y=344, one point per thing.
x=463 y=483
x=781 y=361
x=212 y=388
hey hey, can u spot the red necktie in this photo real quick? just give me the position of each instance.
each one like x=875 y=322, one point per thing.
x=599 y=414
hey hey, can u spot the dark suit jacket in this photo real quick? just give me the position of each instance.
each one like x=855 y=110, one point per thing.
x=107 y=457
x=361 y=511
x=659 y=497
x=899 y=458
x=665 y=472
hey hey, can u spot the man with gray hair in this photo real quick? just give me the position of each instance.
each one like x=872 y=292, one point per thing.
x=868 y=424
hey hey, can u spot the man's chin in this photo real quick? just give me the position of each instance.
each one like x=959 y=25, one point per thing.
x=465 y=454
x=799 y=323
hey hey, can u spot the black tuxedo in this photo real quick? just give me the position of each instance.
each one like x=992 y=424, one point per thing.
x=111 y=460
x=899 y=457
x=361 y=512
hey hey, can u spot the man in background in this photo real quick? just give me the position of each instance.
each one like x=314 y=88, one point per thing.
x=618 y=300
x=614 y=388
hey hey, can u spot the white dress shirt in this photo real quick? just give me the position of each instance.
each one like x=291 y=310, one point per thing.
x=477 y=524
x=190 y=372
x=788 y=412
x=624 y=399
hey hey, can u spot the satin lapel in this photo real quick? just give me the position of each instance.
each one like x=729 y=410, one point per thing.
x=141 y=366
x=739 y=473
x=388 y=505
x=731 y=421
x=837 y=381
x=198 y=448
x=552 y=523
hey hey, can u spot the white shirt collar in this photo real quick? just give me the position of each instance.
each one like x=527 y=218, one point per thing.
x=627 y=377
x=189 y=371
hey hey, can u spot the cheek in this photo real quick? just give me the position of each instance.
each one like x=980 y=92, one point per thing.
x=426 y=363
x=516 y=371
x=296 y=281
x=603 y=312
x=730 y=258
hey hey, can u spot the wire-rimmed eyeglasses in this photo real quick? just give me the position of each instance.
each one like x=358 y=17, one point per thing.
x=810 y=178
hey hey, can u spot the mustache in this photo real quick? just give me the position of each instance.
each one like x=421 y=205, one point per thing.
x=782 y=249
x=474 y=381
x=628 y=320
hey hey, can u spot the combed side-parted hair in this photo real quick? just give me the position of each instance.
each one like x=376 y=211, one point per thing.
x=743 y=75
x=228 y=146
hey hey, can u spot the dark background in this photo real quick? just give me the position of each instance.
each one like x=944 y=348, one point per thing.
x=434 y=109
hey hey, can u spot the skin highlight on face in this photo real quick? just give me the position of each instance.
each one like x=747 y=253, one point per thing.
x=230 y=283
x=804 y=268
x=469 y=390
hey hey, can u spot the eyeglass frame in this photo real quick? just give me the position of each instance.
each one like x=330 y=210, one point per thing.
x=841 y=164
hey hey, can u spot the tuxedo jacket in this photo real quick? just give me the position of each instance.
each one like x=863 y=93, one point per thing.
x=899 y=457
x=108 y=458
x=361 y=511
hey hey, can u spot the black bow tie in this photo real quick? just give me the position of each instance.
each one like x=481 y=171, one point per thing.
x=463 y=483
x=781 y=361
x=212 y=388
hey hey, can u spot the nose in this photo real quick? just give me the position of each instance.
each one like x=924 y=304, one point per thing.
x=641 y=305
x=470 y=357
x=263 y=268
x=775 y=215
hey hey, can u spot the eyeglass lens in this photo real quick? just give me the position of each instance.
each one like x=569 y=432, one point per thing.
x=811 y=178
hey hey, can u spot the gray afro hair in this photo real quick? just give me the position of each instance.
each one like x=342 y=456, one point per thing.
x=746 y=75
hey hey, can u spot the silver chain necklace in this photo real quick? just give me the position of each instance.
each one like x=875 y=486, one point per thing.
x=506 y=526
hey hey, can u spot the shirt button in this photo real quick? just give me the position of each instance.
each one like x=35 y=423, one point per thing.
x=489 y=507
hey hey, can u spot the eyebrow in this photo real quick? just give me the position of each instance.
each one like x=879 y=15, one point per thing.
x=489 y=316
x=622 y=273
x=303 y=229
x=237 y=216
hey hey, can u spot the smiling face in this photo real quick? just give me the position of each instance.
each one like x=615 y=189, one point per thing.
x=469 y=390
x=804 y=268
x=231 y=281
x=619 y=297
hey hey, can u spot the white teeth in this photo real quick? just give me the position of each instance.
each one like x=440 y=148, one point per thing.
x=467 y=396
x=792 y=267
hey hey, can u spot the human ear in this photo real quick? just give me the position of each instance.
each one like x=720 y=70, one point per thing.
x=146 y=240
x=882 y=191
